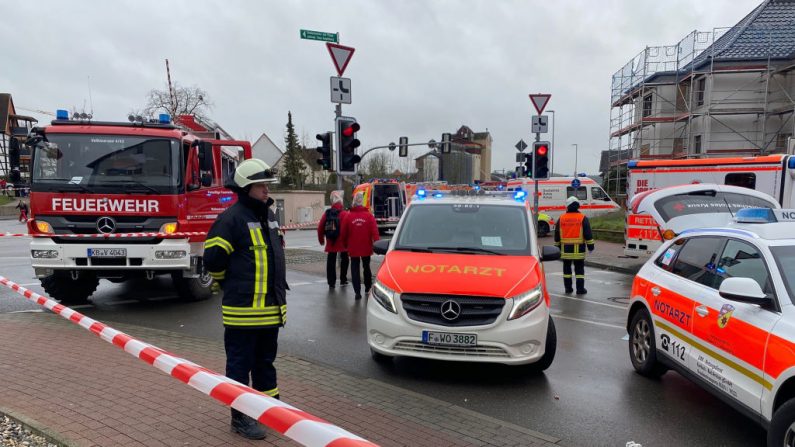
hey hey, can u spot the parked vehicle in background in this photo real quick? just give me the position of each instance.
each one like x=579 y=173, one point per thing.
x=553 y=193
x=658 y=215
x=386 y=199
x=105 y=178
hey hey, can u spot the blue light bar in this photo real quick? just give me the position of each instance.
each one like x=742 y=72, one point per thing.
x=791 y=162
x=632 y=164
x=421 y=193
x=438 y=195
x=755 y=215
x=519 y=195
x=164 y=118
x=61 y=114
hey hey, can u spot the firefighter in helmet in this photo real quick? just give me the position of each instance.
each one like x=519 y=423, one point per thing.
x=572 y=235
x=244 y=254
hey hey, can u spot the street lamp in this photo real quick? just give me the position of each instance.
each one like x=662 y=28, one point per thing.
x=575 y=158
x=552 y=162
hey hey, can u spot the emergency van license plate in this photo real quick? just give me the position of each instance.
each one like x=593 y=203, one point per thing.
x=107 y=252
x=449 y=339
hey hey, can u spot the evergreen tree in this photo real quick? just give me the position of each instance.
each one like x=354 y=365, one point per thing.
x=293 y=166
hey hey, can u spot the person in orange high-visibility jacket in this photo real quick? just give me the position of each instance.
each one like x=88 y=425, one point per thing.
x=572 y=235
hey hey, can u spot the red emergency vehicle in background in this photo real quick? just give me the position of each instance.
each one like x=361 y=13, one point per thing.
x=92 y=177
x=386 y=199
x=773 y=175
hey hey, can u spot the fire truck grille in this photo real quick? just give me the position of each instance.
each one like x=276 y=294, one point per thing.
x=471 y=310
x=473 y=351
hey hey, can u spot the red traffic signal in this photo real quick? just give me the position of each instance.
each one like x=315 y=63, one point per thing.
x=542 y=150
x=350 y=130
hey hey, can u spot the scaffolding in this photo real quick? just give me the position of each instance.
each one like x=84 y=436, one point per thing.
x=703 y=97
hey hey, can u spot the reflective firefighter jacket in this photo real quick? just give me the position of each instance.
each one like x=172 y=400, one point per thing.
x=572 y=234
x=244 y=253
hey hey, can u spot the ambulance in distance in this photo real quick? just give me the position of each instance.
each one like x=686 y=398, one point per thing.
x=659 y=214
x=553 y=193
x=462 y=280
x=718 y=306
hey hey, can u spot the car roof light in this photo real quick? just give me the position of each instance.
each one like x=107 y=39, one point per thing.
x=755 y=215
x=519 y=195
x=61 y=114
x=164 y=118
x=791 y=162
x=421 y=193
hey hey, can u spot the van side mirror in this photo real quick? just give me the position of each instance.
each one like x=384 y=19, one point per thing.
x=744 y=290
x=381 y=246
x=205 y=156
x=549 y=253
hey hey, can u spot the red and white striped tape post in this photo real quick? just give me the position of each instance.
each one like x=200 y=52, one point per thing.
x=297 y=425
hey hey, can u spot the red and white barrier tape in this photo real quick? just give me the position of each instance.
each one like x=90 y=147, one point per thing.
x=297 y=425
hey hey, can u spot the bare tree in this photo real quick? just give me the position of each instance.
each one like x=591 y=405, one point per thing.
x=378 y=166
x=185 y=101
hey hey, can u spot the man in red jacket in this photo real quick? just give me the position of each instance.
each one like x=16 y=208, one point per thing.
x=359 y=231
x=329 y=233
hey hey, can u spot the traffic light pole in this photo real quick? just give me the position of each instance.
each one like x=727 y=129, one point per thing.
x=535 y=192
x=337 y=114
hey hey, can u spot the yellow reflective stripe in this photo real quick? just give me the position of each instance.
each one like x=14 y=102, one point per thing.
x=573 y=241
x=218 y=241
x=260 y=266
x=728 y=362
x=264 y=266
x=566 y=276
x=589 y=241
x=269 y=310
x=218 y=275
x=579 y=276
x=265 y=321
x=272 y=393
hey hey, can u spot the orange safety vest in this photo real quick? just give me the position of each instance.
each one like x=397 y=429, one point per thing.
x=571 y=228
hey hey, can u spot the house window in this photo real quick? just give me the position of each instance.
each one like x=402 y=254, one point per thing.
x=701 y=86
x=647 y=101
x=697 y=144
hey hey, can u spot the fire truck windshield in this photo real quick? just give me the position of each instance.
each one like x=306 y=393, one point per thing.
x=106 y=164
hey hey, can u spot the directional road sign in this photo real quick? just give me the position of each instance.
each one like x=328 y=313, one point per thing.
x=521 y=145
x=540 y=123
x=340 y=90
x=341 y=55
x=319 y=35
x=539 y=100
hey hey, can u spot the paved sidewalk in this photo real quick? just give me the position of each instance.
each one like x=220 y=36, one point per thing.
x=71 y=386
x=610 y=256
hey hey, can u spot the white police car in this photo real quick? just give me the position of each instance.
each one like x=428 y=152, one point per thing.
x=462 y=280
x=716 y=304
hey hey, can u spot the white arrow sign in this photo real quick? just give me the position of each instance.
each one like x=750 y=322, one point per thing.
x=341 y=55
x=539 y=101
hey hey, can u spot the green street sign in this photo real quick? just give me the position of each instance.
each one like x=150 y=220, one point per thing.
x=318 y=35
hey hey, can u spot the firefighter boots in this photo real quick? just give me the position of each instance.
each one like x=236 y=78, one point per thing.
x=246 y=426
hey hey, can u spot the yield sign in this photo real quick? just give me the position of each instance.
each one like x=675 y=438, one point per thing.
x=341 y=55
x=539 y=101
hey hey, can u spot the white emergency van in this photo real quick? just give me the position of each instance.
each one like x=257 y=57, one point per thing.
x=771 y=174
x=660 y=214
x=716 y=305
x=553 y=193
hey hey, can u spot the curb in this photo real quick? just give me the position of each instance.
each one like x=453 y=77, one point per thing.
x=34 y=427
x=612 y=267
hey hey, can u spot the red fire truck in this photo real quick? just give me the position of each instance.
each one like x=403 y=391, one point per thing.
x=90 y=178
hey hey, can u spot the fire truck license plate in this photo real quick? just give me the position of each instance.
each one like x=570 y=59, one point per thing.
x=107 y=252
x=449 y=338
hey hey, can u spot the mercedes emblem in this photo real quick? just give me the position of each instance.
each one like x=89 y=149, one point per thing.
x=451 y=310
x=106 y=225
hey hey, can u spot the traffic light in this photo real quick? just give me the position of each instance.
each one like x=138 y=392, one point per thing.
x=347 y=144
x=403 y=148
x=541 y=152
x=528 y=164
x=325 y=150
x=447 y=147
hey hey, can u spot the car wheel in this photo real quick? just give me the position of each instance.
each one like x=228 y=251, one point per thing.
x=543 y=229
x=782 y=427
x=642 y=347
x=380 y=358
x=550 y=347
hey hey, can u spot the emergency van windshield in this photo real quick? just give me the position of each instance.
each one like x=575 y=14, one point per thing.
x=466 y=228
x=785 y=259
x=704 y=202
x=106 y=164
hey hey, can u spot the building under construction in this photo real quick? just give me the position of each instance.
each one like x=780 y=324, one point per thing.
x=729 y=91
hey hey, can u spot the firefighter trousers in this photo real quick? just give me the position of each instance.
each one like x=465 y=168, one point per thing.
x=249 y=357
x=579 y=274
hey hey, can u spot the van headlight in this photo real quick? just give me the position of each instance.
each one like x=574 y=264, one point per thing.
x=384 y=295
x=526 y=302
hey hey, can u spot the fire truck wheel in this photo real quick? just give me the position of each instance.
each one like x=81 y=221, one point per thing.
x=543 y=229
x=193 y=289
x=62 y=287
x=550 y=347
x=643 y=347
x=782 y=426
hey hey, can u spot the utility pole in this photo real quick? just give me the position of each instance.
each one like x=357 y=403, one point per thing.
x=576 y=153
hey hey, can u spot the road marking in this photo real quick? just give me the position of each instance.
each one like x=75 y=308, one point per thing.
x=589 y=321
x=31 y=311
x=588 y=301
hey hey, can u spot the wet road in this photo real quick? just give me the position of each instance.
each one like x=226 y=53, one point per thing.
x=589 y=396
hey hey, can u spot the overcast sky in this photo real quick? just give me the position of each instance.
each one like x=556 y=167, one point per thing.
x=420 y=67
